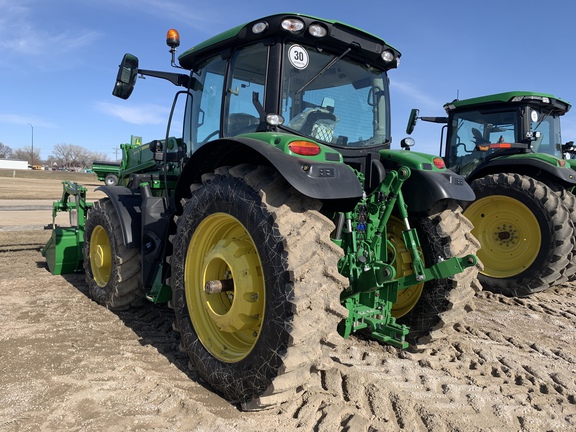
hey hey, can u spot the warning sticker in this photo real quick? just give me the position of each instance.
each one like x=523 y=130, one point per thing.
x=298 y=57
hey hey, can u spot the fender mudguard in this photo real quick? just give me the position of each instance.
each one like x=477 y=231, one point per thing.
x=424 y=188
x=329 y=180
x=128 y=206
x=532 y=167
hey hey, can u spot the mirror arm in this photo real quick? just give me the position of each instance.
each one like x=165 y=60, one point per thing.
x=434 y=119
x=175 y=78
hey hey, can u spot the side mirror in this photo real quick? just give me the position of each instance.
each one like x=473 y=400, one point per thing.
x=126 y=78
x=412 y=120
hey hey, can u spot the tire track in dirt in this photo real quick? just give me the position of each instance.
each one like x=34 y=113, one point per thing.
x=75 y=365
x=486 y=373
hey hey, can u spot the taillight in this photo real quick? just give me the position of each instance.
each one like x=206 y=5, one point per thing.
x=304 y=148
x=439 y=163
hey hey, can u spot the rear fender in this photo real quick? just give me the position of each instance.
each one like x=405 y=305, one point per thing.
x=423 y=189
x=128 y=204
x=428 y=183
x=326 y=180
x=532 y=167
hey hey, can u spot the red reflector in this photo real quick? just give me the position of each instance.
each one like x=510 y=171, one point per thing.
x=562 y=162
x=501 y=145
x=304 y=148
x=439 y=163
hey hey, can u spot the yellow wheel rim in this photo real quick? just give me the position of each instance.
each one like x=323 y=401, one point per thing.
x=508 y=232
x=227 y=323
x=407 y=298
x=100 y=256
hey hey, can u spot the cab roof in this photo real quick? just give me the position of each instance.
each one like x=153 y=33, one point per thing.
x=339 y=35
x=512 y=97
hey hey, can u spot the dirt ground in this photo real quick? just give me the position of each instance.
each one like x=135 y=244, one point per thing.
x=70 y=364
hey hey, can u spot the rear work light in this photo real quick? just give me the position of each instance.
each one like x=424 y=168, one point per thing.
x=259 y=27
x=317 y=30
x=304 y=148
x=292 y=25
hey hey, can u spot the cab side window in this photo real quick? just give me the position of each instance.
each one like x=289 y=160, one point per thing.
x=207 y=101
x=248 y=76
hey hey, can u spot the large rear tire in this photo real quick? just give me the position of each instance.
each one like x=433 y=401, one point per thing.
x=112 y=270
x=258 y=342
x=525 y=233
x=430 y=308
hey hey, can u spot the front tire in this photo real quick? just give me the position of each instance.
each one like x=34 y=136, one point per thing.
x=258 y=342
x=439 y=304
x=112 y=270
x=525 y=233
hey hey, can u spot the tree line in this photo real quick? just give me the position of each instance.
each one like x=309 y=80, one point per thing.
x=63 y=155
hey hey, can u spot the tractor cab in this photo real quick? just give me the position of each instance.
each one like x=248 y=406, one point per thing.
x=321 y=82
x=502 y=124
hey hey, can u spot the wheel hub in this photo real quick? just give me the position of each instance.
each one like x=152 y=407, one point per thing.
x=227 y=322
x=407 y=298
x=100 y=256
x=507 y=235
x=237 y=309
x=508 y=232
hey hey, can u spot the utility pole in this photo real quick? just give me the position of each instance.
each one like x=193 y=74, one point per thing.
x=32 y=144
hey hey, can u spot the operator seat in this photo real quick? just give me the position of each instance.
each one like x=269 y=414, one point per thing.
x=320 y=124
x=478 y=138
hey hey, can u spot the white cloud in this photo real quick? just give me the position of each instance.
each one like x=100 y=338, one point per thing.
x=147 y=114
x=418 y=98
x=24 y=120
x=195 y=15
x=22 y=32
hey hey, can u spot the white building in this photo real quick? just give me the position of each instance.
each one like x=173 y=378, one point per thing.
x=13 y=164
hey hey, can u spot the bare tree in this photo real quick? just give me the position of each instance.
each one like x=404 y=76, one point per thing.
x=70 y=155
x=5 y=151
x=25 y=153
x=96 y=156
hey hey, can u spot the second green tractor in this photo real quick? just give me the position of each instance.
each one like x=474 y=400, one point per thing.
x=509 y=148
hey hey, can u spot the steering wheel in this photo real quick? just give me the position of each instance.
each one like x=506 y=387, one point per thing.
x=205 y=140
x=240 y=123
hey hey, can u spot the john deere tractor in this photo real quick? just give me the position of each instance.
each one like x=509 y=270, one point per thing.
x=273 y=216
x=509 y=147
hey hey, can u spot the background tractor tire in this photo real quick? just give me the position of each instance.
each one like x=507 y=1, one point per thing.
x=444 y=233
x=569 y=201
x=259 y=342
x=112 y=270
x=525 y=232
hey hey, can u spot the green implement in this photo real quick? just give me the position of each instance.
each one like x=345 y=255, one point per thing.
x=63 y=252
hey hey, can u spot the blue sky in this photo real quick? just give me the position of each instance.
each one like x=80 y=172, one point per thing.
x=59 y=59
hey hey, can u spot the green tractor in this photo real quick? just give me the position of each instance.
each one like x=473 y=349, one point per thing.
x=509 y=148
x=273 y=216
